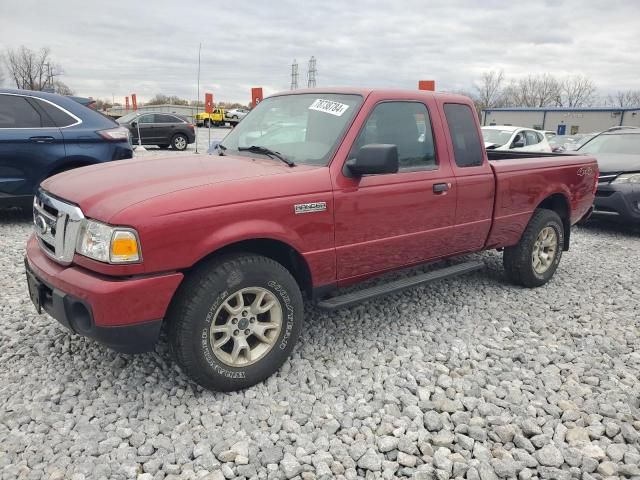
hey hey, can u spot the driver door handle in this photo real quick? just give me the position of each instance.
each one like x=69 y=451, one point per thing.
x=439 y=188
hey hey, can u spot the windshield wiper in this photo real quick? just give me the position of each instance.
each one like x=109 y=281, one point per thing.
x=268 y=152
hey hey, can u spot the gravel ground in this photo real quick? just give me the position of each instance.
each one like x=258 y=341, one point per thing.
x=468 y=378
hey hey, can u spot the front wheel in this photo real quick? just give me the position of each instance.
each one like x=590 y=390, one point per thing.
x=534 y=260
x=235 y=321
x=179 y=142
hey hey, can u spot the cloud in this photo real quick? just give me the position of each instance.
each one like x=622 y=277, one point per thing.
x=151 y=48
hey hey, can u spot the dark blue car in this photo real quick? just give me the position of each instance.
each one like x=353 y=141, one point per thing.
x=42 y=134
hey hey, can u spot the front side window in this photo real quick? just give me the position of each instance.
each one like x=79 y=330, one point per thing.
x=304 y=128
x=17 y=112
x=467 y=148
x=532 y=138
x=146 y=119
x=404 y=124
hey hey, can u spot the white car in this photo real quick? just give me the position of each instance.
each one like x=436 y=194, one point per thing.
x=506 y=137
x=237 y=113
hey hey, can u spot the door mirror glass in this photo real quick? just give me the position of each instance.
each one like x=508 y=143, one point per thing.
x=134 y=124
x=374 y=159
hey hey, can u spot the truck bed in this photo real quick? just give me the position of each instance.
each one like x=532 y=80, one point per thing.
x=522 y=179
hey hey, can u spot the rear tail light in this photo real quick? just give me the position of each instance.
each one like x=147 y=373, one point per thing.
x=116 y=134
x=191 y=126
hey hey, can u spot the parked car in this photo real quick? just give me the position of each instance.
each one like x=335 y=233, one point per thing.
x=547 y=133
x=506 y=137
x=566 y=143
x=222 y=250
x=618 y=155
x=162 y=129
x=42 y=134
x=237 y=113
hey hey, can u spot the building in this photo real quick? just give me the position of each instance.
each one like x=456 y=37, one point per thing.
x=563 y=121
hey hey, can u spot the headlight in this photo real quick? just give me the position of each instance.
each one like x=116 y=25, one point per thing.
x=108 y=244
x=628 y=178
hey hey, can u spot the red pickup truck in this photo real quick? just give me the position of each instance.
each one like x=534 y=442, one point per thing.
x=314 y=190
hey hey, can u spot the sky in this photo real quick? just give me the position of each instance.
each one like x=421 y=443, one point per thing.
x=121 y=47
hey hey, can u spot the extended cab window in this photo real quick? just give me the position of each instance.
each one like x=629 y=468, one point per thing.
x=17 y=112
x=404 y=124
x=467 y=147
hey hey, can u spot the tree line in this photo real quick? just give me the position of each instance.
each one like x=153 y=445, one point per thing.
x=36 y=70
x=493 y=90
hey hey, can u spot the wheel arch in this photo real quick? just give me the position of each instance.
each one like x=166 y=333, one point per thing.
x=559 y=203
x=277 y=250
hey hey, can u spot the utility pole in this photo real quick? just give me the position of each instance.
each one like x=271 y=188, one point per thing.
x=294 y=75
x=198 y=98
x=311 y=78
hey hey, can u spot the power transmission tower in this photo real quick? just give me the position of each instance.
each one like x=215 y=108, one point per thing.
x=311 y=82
x=294 y=75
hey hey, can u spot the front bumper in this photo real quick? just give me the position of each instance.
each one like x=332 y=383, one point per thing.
x=618 y=202
x=123 y=314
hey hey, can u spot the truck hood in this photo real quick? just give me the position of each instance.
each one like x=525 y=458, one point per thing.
x=103 y=190
x=616 y=162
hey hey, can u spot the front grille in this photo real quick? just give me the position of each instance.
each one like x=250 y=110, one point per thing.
x=57 y=225
x=607 y=177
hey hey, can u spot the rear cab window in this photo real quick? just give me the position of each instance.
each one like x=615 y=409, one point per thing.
x=467 y=146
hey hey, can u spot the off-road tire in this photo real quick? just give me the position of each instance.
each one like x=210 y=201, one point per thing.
x=517 y=260
x=193 y=311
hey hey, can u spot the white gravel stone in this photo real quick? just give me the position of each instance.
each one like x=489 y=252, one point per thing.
x=465 y=378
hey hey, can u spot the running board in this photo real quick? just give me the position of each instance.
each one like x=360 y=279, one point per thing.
x=350 y=299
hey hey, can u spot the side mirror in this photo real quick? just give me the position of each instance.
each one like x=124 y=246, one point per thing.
x=374 y=159
x=134 y=124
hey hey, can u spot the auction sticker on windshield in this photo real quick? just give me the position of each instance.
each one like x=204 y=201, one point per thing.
x=329 y=106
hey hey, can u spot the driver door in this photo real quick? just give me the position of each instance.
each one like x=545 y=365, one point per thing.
x=393 y=220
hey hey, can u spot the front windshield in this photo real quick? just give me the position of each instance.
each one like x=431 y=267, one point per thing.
x=497 y=137
x=127 y=118
x=625 y=144
x=304 y=128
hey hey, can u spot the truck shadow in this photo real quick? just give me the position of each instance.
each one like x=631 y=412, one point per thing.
x=604 y=226
x=15 y=215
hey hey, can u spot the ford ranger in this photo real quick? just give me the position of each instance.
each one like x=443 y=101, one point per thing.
x=315 y=190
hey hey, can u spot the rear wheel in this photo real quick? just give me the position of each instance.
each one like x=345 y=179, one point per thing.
x=235 y=321
x=179 y=142
x=534 y=260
